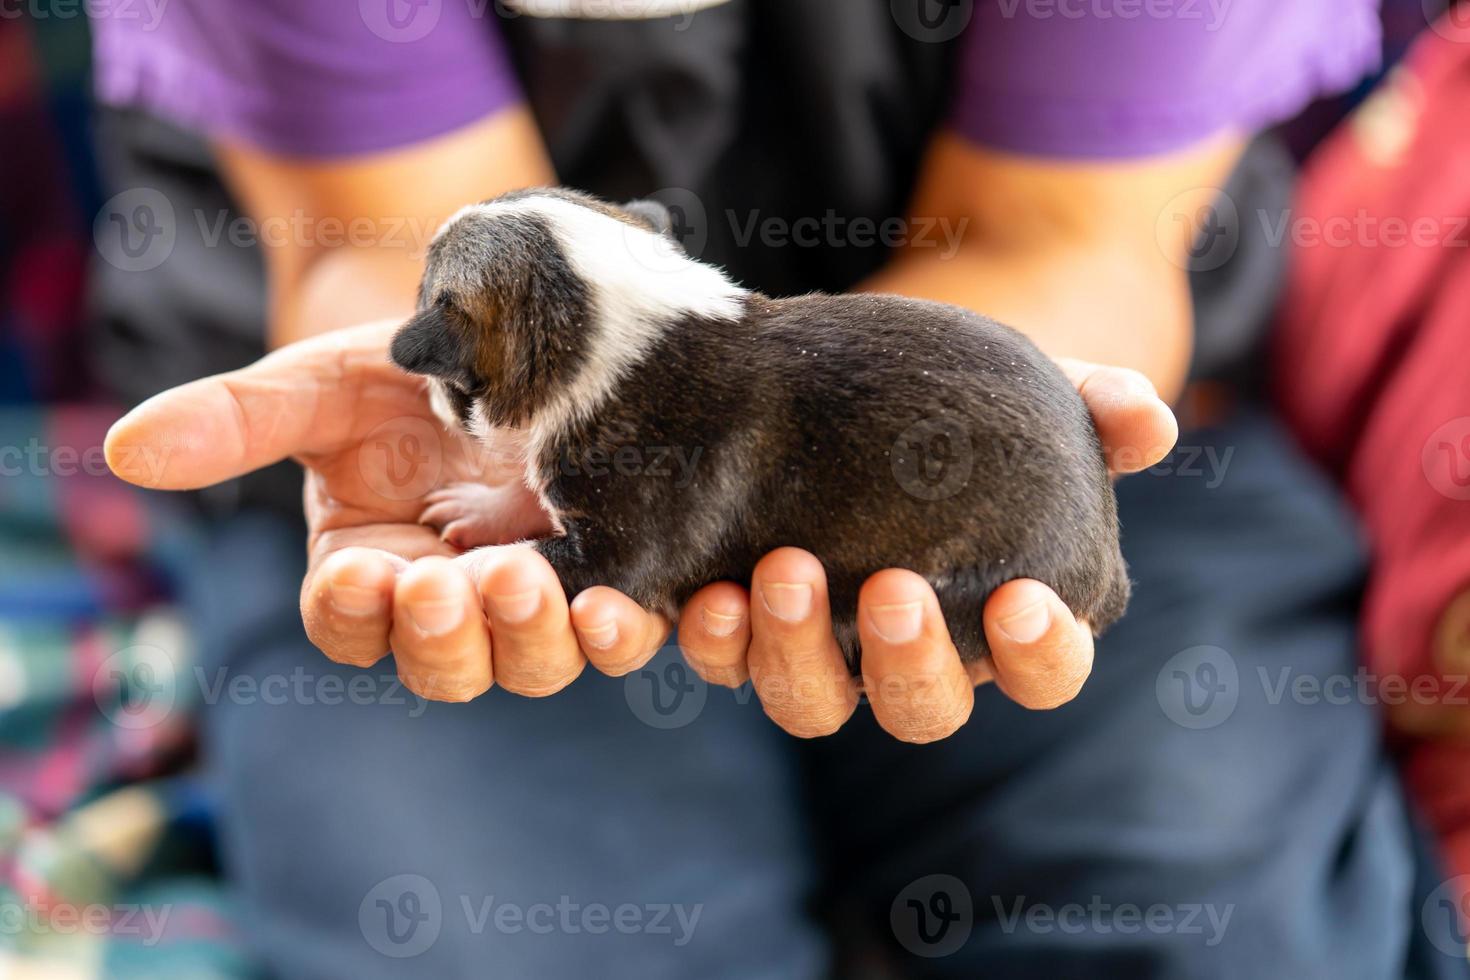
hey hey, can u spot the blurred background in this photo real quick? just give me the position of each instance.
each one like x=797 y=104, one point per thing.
x=101 y=816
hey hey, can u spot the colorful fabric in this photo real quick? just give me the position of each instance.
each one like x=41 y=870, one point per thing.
x=1139 y=78
x=105 y=843
x=105 y=857
x=46 y=197
x=1372 y=373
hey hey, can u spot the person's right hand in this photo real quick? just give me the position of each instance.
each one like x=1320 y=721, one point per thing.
x=376 y=578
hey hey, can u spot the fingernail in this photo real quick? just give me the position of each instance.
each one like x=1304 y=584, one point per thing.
x=1029 y=624
x=436 y=618
x=354 y=600
x=517 y=608
x=900 y=622
x=600 y=637
x=791 y=601
x=719 y=624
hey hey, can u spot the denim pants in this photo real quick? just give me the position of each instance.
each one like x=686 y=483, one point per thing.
x=1197 y=812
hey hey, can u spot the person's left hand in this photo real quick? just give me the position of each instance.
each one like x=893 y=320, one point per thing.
x=912 y=675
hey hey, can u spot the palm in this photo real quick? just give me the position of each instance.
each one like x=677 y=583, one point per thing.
x=390 y=451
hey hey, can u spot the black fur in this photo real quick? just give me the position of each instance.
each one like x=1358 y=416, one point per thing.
x=873 y=431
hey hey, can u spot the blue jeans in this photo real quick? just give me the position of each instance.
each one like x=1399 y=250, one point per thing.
x=1192 y=814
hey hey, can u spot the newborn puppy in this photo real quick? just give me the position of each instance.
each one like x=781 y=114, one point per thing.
x=678 y=427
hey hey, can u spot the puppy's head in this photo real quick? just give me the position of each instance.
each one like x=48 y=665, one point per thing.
x=541 y=296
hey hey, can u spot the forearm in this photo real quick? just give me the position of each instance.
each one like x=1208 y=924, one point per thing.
x=1100 y=305
x=342 y=287
x=359 y=227
x=1088 y=259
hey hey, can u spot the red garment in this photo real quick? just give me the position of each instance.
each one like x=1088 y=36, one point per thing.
x=1372 y=369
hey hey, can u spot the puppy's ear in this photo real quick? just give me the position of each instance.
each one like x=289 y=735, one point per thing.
x=652 y=213
x=427 y=344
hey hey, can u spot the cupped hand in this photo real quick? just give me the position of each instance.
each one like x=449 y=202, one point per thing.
x=778 y=635
x=378 y=580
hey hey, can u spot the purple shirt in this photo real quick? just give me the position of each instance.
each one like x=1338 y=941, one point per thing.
x=1071 y=78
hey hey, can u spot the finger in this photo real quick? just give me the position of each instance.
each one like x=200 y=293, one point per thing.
x=800 y=674
x=293 y=402
x=618 y=636
x=1041 y=655
x=439 y=636
x=347 y=604
x=1136 y=428
x=912 y=673
x=714 y=633
x=534 y=651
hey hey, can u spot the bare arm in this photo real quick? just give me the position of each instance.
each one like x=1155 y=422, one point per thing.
x=1087 y=258
x=352 y=232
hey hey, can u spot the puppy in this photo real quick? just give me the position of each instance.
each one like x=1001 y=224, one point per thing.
x=678 y=427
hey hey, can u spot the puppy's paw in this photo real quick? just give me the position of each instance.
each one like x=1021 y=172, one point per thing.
x=467 y=515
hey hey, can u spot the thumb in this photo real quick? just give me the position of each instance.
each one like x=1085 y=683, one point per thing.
x=295 y=401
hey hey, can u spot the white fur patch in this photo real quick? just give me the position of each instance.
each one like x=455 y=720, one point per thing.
x=439 y=404
x=449 y=221
x=609 y=9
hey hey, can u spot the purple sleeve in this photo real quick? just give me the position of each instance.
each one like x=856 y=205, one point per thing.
x=304 y=77
x=1120 y=78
